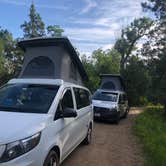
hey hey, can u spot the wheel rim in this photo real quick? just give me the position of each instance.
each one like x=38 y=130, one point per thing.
x=52 y=161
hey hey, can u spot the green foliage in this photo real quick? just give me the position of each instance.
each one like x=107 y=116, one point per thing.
x=143 y=101
x=4 y=75
x=54 y=31
x=136 y=80
x=2 y=68
x=6 y=42
x=150 y=127
x=155 y=50
x=130 y=35
x=107 y=62
x=11 y=56
x=35 y=27
x=94 y=79
x=156 y=6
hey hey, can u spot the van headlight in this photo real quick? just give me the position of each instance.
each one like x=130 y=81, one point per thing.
x=16 y=149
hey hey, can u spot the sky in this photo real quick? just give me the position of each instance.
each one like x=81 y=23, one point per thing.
x=89 y=24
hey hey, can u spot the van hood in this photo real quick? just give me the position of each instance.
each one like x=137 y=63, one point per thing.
x=15 y=126
x=104 y=104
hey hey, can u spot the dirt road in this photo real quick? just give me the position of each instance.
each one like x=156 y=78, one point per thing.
x=112 y=145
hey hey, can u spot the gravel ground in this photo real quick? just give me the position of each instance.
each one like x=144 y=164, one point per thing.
x=112 y=145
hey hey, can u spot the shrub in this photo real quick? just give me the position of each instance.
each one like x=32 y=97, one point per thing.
x=150 y=127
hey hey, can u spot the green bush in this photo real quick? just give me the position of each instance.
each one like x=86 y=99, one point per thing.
x=150 y=127
x=143 y=101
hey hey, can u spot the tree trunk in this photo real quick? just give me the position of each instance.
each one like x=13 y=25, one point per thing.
x=121 y=66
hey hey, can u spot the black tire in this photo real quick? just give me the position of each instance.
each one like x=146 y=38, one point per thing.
x=88 y=137
x=52 y=159
x=117 y=119
x=126 y=113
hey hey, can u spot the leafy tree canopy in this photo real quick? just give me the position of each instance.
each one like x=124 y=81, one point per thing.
x=54 y=31
x=155 y=49
x=129 y=38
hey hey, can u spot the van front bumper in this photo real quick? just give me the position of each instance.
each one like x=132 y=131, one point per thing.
x=105 y=114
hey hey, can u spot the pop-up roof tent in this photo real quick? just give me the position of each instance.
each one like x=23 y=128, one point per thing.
x=112 y=82
x=53 y=58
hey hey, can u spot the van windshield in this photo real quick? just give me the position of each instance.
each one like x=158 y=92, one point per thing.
x=105 y=96
x=27 y=98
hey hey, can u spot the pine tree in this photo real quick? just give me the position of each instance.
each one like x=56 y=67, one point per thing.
x=35 y=27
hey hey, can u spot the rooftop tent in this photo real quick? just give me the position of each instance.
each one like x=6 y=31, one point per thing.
x=112 y=82
x=53 y=58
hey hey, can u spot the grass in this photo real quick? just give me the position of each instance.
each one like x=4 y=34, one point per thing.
x=150 y=127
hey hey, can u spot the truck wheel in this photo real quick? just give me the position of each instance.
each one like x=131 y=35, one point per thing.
x=88 y=138
x=52 y=159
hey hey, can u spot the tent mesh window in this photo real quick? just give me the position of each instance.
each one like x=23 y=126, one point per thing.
x=40 y=66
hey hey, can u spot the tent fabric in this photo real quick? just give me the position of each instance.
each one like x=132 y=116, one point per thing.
x=51 y=58
x=112 y=82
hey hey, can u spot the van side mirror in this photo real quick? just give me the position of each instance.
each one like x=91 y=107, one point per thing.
x=69 y=113
x=122 y=102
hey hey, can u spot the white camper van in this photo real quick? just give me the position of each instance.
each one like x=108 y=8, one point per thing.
x=110 y=101
x=42 y=118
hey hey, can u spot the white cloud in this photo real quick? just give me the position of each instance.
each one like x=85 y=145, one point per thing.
x=51 y=7
x=107 y=46
x=122 y=11
x=91 y=30
x=90 y=39
x=89 y=5
x=12 y=2
x=87 y=54
x=95 y=35
x=106 y=24
x=103 y=22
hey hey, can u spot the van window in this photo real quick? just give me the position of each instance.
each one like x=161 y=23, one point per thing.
x=27 y=98
x=122 y=98
x=67 y=101
x=82 y=97
x=105 y=96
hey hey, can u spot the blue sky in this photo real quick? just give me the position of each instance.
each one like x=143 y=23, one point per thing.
x=89 y=24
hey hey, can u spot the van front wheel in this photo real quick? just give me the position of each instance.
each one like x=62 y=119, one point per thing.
x=88 y=138
x=117 y=119
x=52 y=159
